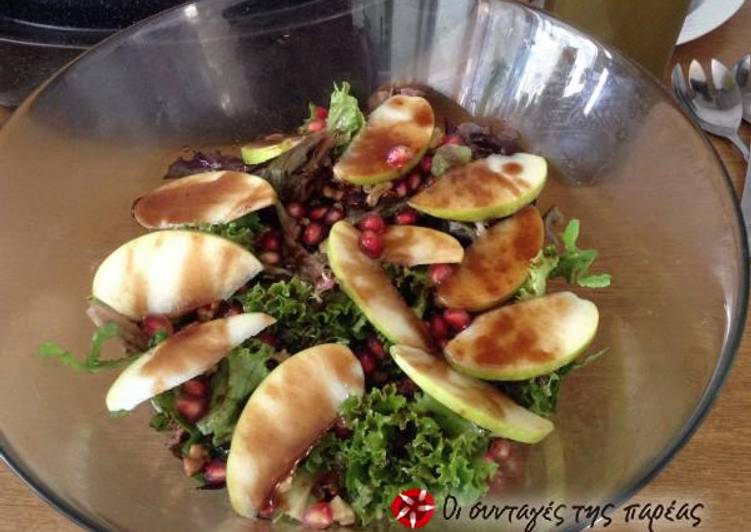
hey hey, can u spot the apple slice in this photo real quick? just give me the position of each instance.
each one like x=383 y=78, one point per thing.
x=525 y=340
x=288 y=412
x=172 y=272
x=181 y=357
x=210 y=197
x=367 y=284
x=496 y=264
x=260 y=151
x=411 y=245
x=393 y=141
x=477 y=401
x=489 y=188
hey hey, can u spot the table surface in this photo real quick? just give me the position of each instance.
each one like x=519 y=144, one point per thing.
x=714 y=467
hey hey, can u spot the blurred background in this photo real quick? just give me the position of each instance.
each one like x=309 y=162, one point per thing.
x=37 y=37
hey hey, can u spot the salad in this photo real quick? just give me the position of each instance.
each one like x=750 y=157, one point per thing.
x=347 y=311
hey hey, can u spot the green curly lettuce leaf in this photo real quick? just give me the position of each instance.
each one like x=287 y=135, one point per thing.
x=448 y=156
x=571 y=263
x=345 y=118
x=303 y=320
x=399 y=443
x=242 y=231
x=237 y=377
x=540 y=394
x=93 y=361
x=413 y=284
x=574 y=263
x=540 y=269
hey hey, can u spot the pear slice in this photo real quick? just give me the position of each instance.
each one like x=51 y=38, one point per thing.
x=496 y=264
x=288 y=412
x=365 y=281
x=489 y=188
x=402 y=122
x=411 y=245
x=181 y=357
x=172 y=272
x=477 y=401
x=210 y=197
x=525 y=340
x=260 y=151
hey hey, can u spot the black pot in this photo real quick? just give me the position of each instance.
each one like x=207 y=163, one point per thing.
x=88 y=14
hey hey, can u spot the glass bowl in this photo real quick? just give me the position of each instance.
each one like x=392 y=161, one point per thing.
x=650 y=191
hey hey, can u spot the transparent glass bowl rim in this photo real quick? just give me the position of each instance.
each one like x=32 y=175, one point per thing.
x=716 y=381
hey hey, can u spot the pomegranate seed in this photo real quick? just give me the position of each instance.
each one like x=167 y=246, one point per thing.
x=439 y=272
x=414 y=181
x=368 y=363
x=268 y=510
x=454 y=140
x=371 y=243
x=372 y=222
x=296 y=210
x=235 y=308
x=215 y=473
x=499 y=450
x=313 y=234
x=318 y=516
x=153 y=323
x=321 y=112
x=318 y=213
x=399 y=155
x=207 y=312
x=438 y=327
x=326 y=486
x=190 y=408
x=401 y=188
x=375 y=347
x=341 y=429
x=405 y=218
x=269 y=241
x=197 y=387
x=458 y=319
x=357 y=199
x=316 y=125
x=426 y=164
x=267 y=338
x=334 y=215
x=270 y=257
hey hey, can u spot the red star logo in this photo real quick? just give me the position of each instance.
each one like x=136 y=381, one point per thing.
x=413 y=508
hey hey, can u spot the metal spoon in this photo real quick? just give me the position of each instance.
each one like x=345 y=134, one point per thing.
x=680 y=87
x=718 y=99
x=742 y=75
x=706 y=116
x=716 y=103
